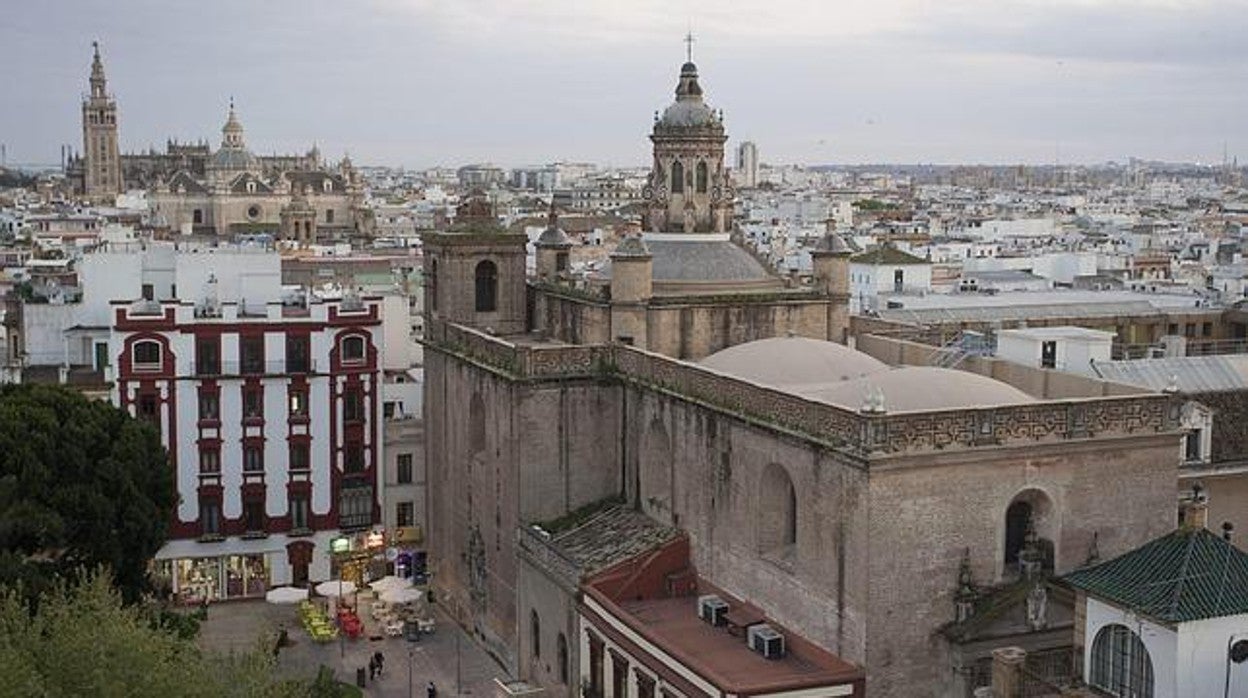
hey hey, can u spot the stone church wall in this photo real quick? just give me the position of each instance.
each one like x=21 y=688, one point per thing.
x=696 y=331
x=925 y=511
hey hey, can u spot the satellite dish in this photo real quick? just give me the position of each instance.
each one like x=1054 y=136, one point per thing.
x=1239 y=651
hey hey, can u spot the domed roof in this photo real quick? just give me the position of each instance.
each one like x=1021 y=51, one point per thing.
x=792 y=362
x=631 y=246
x=234 y=159
x=688 y=111
x=919 y=388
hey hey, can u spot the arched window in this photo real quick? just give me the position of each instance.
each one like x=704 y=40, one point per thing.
x=535 y=630
x=678 y=178
x=701 y=177
x=353 y=348
x=777 y=514
x=147 y=356
x=561 y=650
x=1016 y=518
x=1120 y=663
x=487 y=287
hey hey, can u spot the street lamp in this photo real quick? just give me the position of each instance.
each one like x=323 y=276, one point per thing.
x=337 y=545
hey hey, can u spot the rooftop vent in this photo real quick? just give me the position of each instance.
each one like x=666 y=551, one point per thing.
x=766 y=640
x=712 y=609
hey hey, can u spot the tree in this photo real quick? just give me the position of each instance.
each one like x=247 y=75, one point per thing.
x=83 y=641
x=82 y=484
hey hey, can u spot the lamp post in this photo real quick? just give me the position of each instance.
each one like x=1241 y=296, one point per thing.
x=337 y=545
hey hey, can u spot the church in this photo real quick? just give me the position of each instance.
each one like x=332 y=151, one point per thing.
x=195 y=190
x=688 y=477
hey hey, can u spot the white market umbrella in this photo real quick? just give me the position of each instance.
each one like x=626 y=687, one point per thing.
x=402 y=595
x=387 y=583
x=335 y=587
x=286 y=595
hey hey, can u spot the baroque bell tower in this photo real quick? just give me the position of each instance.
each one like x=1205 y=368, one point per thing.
x=689 y=190
x=101 y=179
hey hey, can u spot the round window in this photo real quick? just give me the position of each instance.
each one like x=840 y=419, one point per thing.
x=253 y=212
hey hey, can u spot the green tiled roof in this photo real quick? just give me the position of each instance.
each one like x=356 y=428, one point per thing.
x=1190 y=574
x=886 y=255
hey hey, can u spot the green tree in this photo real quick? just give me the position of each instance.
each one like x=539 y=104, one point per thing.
x=82 y=484
x=83 y=641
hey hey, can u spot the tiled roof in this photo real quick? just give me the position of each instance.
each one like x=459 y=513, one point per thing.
x=887 y=255
x=1190 y=574
x=614 y=535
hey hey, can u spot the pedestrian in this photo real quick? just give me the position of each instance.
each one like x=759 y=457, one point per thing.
x=381 y=662
x=372 y=667
x=431 y=691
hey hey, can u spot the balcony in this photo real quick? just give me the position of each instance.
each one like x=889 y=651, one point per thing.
x=227 y=369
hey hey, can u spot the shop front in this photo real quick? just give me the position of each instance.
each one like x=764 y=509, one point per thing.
x=199 y=579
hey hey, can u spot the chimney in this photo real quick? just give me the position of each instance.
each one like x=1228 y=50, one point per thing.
x=1227 y=527
x=1195 y=508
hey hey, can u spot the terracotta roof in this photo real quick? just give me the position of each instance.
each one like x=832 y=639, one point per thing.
x=1189 y=574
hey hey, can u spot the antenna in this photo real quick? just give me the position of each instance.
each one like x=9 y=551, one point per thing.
x=689 y=47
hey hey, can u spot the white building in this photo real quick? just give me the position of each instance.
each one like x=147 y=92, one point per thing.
x=886 y=270
x=1166 y=620
x=1072 y=349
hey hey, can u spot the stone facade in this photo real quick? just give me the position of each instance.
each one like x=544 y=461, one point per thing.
x=101 y=163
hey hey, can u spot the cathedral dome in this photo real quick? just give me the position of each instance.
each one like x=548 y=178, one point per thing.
x=688 y=111
x=791 y=362
x=920 y=388
x=234 y=159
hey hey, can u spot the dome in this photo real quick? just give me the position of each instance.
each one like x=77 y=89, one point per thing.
x=233 y=159
x=687 y=114
x=793 y=362
x=920 y=388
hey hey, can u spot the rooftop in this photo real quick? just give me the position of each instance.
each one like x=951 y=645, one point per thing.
x=887 y=255
x=1189 y=374
x=1189 y=574
x=605 y=533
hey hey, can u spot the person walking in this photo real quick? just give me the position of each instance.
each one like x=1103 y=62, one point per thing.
x=372 y=667
x=431 y=691
x=381 y=662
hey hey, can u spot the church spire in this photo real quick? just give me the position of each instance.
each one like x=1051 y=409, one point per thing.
x=99 y=84
x=232 y=131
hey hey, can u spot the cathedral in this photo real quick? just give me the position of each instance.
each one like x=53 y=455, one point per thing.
x=193 y=189
x=633 y=481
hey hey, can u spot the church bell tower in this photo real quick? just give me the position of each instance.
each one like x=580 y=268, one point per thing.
x=101 y=178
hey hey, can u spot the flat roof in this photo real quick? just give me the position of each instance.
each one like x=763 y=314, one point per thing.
x=1057 y=333
x=723 y=658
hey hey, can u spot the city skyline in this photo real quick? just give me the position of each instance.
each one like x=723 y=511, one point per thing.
x=404 y=82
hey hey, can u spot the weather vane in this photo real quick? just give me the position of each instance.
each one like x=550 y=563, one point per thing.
x=689 y=47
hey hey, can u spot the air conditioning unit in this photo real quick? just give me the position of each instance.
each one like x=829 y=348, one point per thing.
x=765 y=640
x=712 y=609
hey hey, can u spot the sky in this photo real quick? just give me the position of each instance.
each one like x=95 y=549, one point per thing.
x=419 y=83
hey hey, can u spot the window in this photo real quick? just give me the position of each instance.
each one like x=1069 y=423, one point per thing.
x=353 y=349
x=253 y=403
x=899 y=280
x=535 y=634
x=207 y=356
x=251 y=354
x=329 y=215
x=405 y=469
x=353 y=405
x=210 y=517
x=253 y=458
x=645 y=685
x=298 y=403
x=147 y=356
x=405 y=514
x=1206 y=329
x=561 y=658
x=701 y=177
x=209 y=460
x=353 y=457
x=209 y=405
x=1016 y=519
x=253 y=212
x=297 y=352
x=253 y=515
x=148 y=408
x=1048 y=354
x=777 y=512
x=299 y=518
x=619 y=674
x=355 y=506
x=148 y=292
x=487 y=287
x=299 y=456
x=1120 y=663
x=678 y=178
x=1191 y=444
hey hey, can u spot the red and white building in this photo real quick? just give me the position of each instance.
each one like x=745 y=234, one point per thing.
x=269 y=403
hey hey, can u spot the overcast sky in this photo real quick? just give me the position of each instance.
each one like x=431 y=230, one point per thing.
x=425 y=82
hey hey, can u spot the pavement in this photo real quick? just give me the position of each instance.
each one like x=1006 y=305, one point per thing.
x=239 y=626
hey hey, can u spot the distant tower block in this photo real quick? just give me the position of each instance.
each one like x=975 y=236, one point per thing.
x=747 y=164
x=102 y=176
